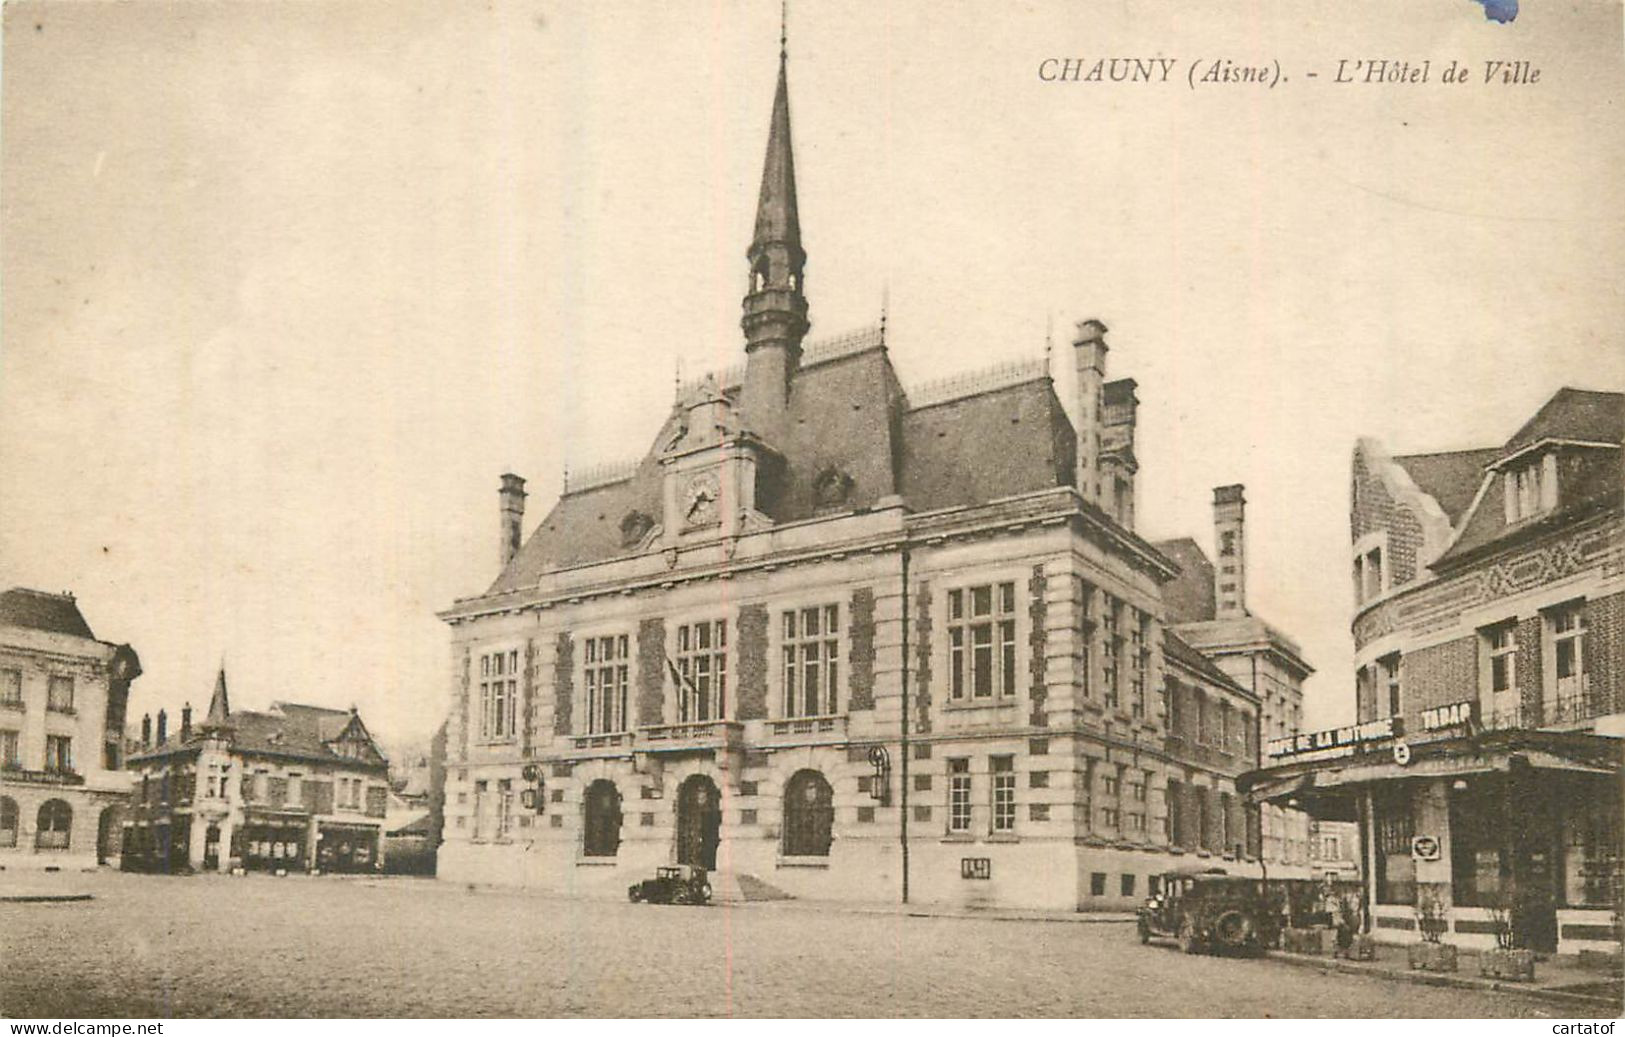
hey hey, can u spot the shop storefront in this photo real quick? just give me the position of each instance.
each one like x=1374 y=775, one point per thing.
x=1478 y=829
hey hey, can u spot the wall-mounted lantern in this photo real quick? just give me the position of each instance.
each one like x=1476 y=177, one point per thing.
x=880 y=787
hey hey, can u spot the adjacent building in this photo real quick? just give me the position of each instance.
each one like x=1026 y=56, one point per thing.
x=63 y=695
x=1207 y=605
x=842 y=637
x=293 y=788
x=1485 y=764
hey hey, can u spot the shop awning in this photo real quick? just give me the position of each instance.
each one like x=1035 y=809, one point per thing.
x=1484 y=753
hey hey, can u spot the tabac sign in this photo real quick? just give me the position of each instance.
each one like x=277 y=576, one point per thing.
x=1336 y=741
x=1457 y=714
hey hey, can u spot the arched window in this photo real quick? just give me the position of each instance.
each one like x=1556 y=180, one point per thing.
x=809 y=814
x=8 y=821
x=55 y=824
x=602 y=834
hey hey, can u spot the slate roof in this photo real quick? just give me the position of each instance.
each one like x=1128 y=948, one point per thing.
x=288 y=729
x=848 y=413
x=1587 y=483
x=41 y=610
x=1188 y=597
x=1175 y=648
x=1452 y=478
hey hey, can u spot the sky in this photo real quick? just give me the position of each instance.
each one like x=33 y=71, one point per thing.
x=285 y=287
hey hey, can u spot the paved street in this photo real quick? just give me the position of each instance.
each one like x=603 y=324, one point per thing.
x=155 y=946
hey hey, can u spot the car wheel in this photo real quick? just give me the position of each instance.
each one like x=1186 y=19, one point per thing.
x=680 y=897
x=1187 y=936
x=705 y=893
x=633 y=894
x=1233 y=929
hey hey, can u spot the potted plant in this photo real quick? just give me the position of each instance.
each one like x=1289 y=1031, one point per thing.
x=1432 y=922
x=1353 y=941
x=1508 y=959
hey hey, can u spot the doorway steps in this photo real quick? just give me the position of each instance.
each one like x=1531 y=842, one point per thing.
x=737 y=887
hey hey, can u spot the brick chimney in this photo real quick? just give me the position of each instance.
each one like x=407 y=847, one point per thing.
x=1089 y=354
x=512 y=498
x=186 y=721
x=163 y=727
x=1230 y=541
x=146 y=730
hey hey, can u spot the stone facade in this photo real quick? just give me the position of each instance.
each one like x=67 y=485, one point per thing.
x=63 y=697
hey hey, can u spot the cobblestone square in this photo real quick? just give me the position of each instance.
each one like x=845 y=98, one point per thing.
x=154 y=946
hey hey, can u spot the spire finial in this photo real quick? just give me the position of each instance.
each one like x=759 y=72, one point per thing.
x=1049 y=338
x=784 y=29
x=885 y=308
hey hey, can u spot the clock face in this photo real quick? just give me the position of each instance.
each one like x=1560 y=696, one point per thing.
x=700 y=500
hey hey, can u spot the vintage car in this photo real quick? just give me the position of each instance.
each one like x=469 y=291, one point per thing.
x=680 y=884
x=1210 y=910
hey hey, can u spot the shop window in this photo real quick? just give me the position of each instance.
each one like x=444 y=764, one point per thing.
x=1592 y=867
x=1479 y=866
x=809 y=815
x=1396 y=870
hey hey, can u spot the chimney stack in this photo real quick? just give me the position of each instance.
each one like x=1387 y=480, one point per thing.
x=1089 y=354
x=1118 y=465
x=1230 y=540
x=146 y=730
x=512 y=498
x=163 y=727
x=186 y=721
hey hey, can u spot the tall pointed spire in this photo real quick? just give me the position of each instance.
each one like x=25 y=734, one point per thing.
x=775 y=318
x=219 y=717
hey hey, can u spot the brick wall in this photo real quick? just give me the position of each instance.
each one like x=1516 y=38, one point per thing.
x=752 y=646
x=1036 y=611
x=1528 y=666
x=1605 y=649
x=861 y=651
x=1373 y=508
x=1439 y=675
x=651 y=671
x=563 y=682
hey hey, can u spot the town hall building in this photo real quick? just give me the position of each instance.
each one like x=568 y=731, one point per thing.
x=835 y=636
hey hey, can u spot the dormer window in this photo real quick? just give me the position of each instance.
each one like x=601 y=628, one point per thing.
x=1530 y=487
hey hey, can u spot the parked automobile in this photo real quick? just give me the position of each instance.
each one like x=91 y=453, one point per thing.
x=1211 y=910
x=679 y=884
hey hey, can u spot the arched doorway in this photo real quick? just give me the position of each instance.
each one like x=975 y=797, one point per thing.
x=809 y=815
x=110 y=835
x=699 y=822
x=601 y=834
x=54 y=829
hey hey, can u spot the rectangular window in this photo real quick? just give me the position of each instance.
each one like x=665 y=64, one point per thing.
x=959 y=795
x=1111 y=649
x=702 y=665
x=10 y=755
x=812 y=654
x=982 y=642
x=1097 y=884
x=1390 y=682
x=1373 y=573
x=1134 y=823
x=499 y=695
x=1565 y=627
x=1141 y=659
x=1136 y=791
x=1004 y=793
x=504 y=808
x=11 y=687
x=480 y=789
x=60 y=694
x=605 y=663
x=1086 y=607
x=1109 y=817
x=59 y=754
x=1110 y=784
x=1127 y=886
